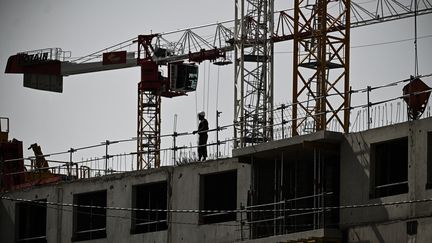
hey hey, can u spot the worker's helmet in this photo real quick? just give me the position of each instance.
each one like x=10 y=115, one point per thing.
x=202 y=113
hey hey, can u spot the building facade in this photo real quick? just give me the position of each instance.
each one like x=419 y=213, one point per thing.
x=370 y=186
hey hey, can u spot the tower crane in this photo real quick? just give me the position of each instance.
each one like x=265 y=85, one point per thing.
x=44 y=69
x=319 y=29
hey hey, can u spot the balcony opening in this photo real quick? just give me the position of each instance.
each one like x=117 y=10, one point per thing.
x=89 y=218
x=389 y=167
x=292 y=190
x=218 y=191
x=152 y=196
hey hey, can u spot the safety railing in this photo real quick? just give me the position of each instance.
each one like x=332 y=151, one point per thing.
x=46 y=54
x=180 y=148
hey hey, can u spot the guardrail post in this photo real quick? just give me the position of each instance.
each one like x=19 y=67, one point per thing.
x=70 y=164
x=175 y=134
x=107 y=142
x=369 y=89
x=283 y=120
x=217 y=133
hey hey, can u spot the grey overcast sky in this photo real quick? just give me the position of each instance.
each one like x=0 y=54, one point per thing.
x=99 y=106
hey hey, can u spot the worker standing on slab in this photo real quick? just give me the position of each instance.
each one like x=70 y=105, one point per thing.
x=202 y=139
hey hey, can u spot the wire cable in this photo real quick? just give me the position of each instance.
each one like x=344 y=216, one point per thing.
x=208 y=87
x=416 y=65
x=353 y=206
x=217 y=88
x=43 y=204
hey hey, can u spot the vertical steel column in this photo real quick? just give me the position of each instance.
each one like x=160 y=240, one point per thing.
x=253 y=88
x=296 y=58
x=321 y=65
x=238 y=73
x=346 y=52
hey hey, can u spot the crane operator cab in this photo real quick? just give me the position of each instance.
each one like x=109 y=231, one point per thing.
x=183 y=77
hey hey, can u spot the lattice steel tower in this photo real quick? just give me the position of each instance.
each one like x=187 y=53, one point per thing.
x=253 y=61
x=321 y=65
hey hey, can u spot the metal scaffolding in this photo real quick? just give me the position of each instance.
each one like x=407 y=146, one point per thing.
x=291 y=191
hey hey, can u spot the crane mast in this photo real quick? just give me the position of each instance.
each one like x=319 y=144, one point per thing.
x=149 y=106
x=253 y=55
x=321 y=66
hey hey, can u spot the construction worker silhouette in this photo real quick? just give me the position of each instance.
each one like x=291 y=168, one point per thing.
x=202 y=136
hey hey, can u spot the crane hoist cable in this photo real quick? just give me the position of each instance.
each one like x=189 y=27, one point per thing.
x=204 y=88
x=208 y=86
x=217 y=88
x=196 y=108
x=416 y=68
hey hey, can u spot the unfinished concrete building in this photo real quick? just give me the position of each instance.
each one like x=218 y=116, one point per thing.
x=370 y=186
x=326 y=183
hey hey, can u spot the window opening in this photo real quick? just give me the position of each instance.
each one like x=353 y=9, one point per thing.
x=390 y=167
x=149 y=196
x=218 y=192
x=90 y=222
x=31 y=222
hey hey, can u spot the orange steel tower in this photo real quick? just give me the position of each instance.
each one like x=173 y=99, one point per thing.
x=321 y=65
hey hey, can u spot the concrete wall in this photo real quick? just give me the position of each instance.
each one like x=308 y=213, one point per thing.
x=183 y=183
x=185 y=188
x=356 y=186
x=370 y=224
